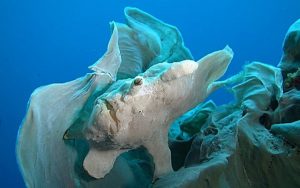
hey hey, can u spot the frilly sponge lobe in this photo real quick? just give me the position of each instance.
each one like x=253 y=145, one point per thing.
x=170 y=43
x=111 y=60
x=290 y=60
x=146 y=41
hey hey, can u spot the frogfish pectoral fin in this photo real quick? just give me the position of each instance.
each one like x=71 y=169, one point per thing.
x=98 y=163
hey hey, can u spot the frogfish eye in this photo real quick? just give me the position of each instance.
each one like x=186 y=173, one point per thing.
x=138 y=81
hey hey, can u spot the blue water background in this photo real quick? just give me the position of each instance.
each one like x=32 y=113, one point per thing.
x=47 y=41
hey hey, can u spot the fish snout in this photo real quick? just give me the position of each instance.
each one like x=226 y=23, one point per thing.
x=103 y=123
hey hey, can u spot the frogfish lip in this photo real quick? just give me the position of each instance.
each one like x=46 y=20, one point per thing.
x=114 y=121
x=102 y=124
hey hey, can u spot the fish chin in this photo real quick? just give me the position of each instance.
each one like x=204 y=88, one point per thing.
x=103 y=126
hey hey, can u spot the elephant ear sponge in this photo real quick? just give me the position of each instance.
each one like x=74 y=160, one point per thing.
x=290 y=60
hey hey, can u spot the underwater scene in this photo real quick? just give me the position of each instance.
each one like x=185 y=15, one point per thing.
x=134 y=94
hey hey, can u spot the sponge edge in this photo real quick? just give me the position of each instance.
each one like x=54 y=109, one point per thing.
x=99 y=163
x=110 y=62
x=290 y=131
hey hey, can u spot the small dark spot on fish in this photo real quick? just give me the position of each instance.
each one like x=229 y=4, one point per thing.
x=138 y=81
